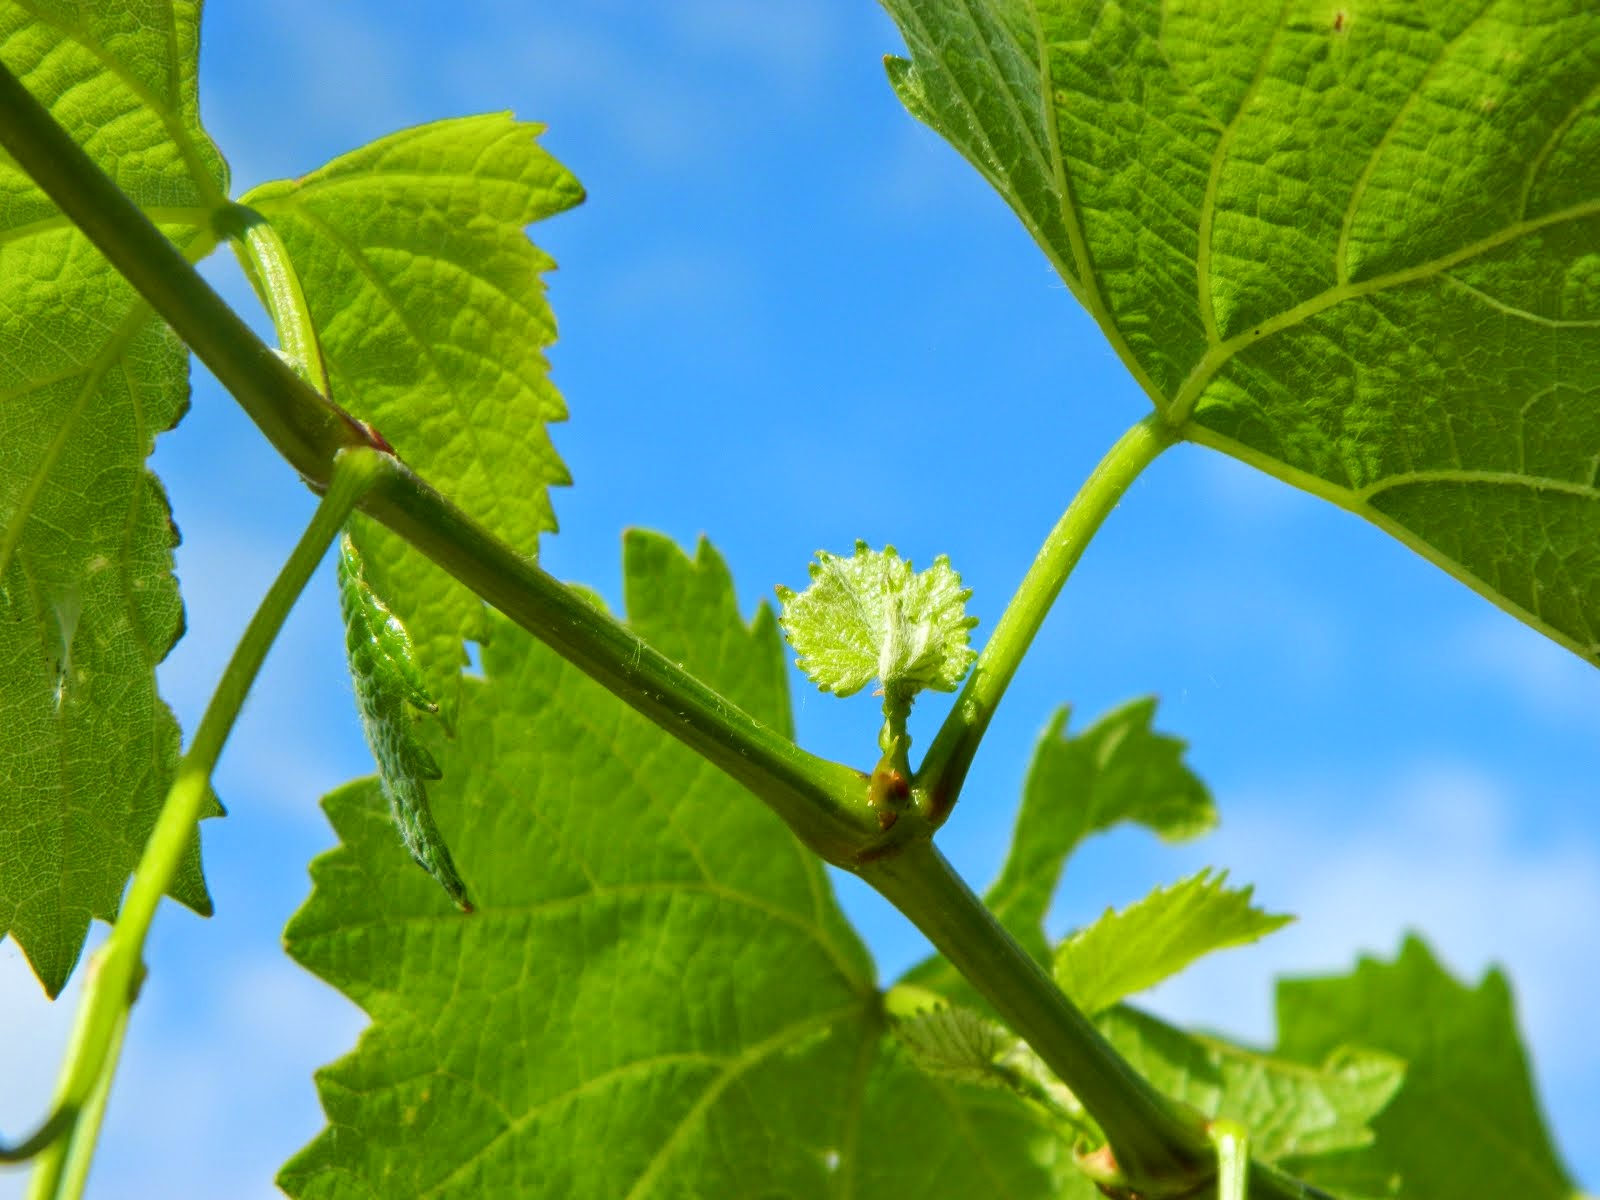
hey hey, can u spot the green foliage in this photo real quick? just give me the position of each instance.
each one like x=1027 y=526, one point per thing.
x=1467 y=1122
x=88 y=604
x=1354 y=247
x=429 y=303
x=1354 y=250
x=949 y=1041
x=1125 y=952
x=1117 y=770
x=657 y=995
x=1299 y=1113
x=390 y=690
x=870 y=616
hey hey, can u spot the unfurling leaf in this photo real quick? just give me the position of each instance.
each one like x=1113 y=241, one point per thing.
x=870 y=616
x=389 y=691
x=949 y=1041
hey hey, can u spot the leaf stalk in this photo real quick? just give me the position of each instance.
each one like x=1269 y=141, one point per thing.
x=944 y=768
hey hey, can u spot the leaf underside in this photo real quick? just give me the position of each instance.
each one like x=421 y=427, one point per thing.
x=657 y=994
x=88 y=378
x=1357 y=246
x=430 y=305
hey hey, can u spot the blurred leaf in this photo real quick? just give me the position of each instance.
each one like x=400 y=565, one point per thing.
x=1296 y=1113
x=1119 y=769
x=1353 y=246
x=89 y=377
x=657 y=995
x=1467 y=1122
x=948 y=1041
x=430 y=305
x=1125 y=952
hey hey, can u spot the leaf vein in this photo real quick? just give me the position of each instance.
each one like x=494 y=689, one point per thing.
x=1208 y=203
x=1341 y=254
x=737 y=1067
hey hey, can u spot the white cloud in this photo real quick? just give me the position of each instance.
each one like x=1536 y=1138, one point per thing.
x=1549 y=680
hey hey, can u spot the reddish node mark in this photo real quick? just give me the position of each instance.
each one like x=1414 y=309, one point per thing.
x=1338 y=21
x=379 y=442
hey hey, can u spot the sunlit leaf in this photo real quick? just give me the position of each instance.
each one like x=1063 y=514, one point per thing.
x=88 y=378
x=1467 y=1122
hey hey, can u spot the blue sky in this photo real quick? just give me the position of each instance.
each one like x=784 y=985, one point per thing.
x=792 y=317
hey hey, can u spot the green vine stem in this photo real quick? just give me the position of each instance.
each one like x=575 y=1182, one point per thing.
x=1152 y=1137
x=86 y=1134
x=114 y=973
x=944 y=768
x=1232 y=1142
x=52 y=1127
x=824 y=803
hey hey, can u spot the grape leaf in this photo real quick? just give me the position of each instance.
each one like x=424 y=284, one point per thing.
x=1126 y=952
x=1467 y=1121
x=1352 y=246
x=1119 y=769
x=657 y=994
x=871 y=616
x=430 y=306
x=89 y=377
x=1298 y=1114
